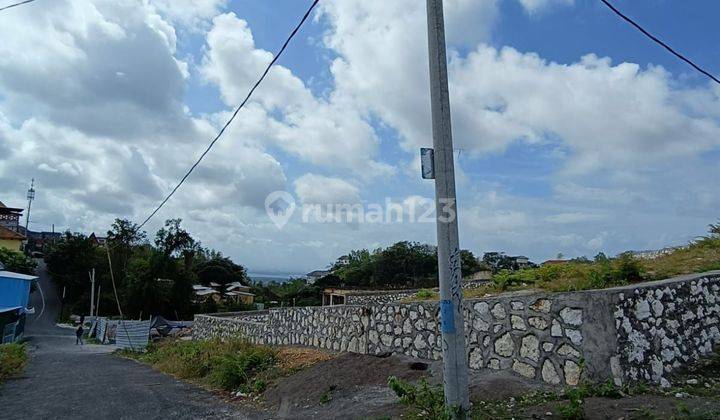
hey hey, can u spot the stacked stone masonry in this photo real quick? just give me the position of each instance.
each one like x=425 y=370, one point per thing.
x=634 y=333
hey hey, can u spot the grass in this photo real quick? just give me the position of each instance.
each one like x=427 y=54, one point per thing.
x=584 y=274
x=230 y=366
x=425 y=401
x=701 y=255
x=13 y=359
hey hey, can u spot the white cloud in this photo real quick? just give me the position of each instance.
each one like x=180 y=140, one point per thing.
x=92 y=104
x=193 y=14
x=534 y=6
x=94 y=111
x=328 y=132
x=603 y=115
x=319 y=189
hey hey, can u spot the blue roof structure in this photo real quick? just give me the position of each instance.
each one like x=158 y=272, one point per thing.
x=15 y=289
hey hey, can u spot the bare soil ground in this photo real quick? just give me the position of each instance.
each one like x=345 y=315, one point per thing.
x=353 y=386
x=346 y=386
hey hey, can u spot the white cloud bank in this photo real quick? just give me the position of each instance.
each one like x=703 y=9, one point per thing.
x=92 y=104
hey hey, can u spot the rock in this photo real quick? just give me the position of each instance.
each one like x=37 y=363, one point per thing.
x=373 y=337
x=541 y=305
x=556 y=329
x=517 y=306
x=419 y=342
x=523 y=369
x=386 y=339
x=568 y=350
x=494 y=364
x=572 y=373
x=547 y=346
x=682 y=395
x=549 y=374
x=574 y=335
x=498 y=311
x=476 y=359
x=571 y=316
x=530 y=347
x=537 y=322
x=664 y=383
x=407 y=327
x=406 y=341
x=657 y=308
x=480 y=325
x=504 y=346
x=642 y=310
x=517 y=323
x=692 y=382
x=481 y=308
x=497 y=328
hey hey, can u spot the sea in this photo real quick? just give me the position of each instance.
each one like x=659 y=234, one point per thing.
x=276 y=277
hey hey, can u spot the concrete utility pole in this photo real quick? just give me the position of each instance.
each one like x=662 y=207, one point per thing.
x=92 y=291
x=455 y=364
x=30 y=197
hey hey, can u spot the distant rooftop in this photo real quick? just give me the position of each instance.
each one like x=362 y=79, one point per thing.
x=6 y=233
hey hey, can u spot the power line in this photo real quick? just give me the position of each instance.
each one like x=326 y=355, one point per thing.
x=658 y=41
x=16 y=4
x=242 y=104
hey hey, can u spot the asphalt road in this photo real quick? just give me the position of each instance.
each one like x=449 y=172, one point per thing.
x=66 y=381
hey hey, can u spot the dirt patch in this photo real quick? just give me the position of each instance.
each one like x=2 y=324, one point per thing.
x=347 y=386
x=291 y=359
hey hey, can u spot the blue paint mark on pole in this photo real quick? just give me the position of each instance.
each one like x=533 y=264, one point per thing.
x=447 y=316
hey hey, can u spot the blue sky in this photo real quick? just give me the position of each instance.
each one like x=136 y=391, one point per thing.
x=575 y=133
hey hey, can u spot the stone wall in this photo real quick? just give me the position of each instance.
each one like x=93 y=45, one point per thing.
x=631 y=333
x=664 y=326
x=377 y=297
x=534 y=336
x=341 y=328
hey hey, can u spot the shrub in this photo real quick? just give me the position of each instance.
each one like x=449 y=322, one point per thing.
x=17 y=261
x=226 y=365
x=235 y=370
x=12 y=360
x=425 y=401
x=425 y=294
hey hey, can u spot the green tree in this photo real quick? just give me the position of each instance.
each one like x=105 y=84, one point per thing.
x=469 y=264
x=17 y=262
x=124 y=237
x=69 y=261
x=220 y=270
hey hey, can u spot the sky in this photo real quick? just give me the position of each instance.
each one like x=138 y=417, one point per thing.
x=574 y=134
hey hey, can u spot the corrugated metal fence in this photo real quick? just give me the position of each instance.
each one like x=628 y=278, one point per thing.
x=132 y=334
x=101 y=330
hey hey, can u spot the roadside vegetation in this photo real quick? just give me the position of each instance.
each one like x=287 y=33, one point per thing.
x=229 y=366
x=401 y=265
x=697 y=396
x=13 y=359
x=17 y=261
x=703 y=254
x=153 y=277
x=234 y=366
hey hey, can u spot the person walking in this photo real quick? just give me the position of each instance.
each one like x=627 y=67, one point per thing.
x=79 y=334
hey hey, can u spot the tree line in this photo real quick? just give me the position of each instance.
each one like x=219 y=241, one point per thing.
x=152 y=278
x=156 y=276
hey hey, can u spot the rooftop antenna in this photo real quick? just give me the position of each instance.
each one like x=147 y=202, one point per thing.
x=30 y=197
